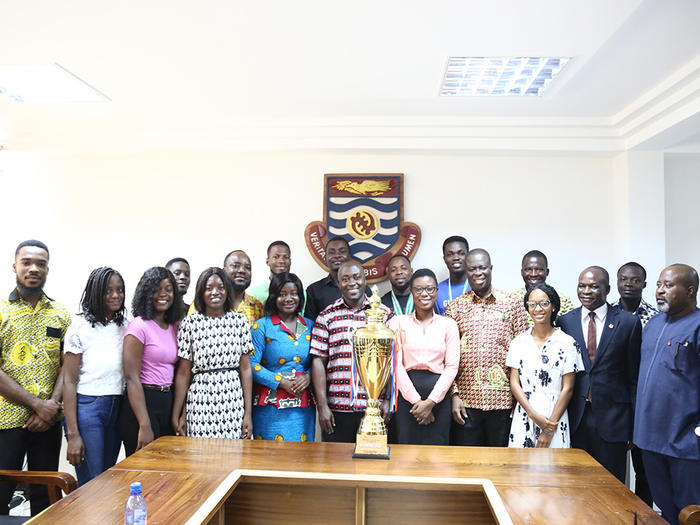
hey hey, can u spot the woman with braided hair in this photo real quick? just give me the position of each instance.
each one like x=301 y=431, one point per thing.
x=93 y=380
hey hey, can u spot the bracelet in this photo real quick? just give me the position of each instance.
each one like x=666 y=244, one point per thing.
x=548 y=433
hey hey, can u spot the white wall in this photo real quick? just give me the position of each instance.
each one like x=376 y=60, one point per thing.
x=135 y=211
x=682 y=201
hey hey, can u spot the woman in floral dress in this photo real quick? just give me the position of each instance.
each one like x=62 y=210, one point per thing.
x=543 y=363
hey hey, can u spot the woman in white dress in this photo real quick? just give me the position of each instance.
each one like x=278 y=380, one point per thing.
x=543 y=363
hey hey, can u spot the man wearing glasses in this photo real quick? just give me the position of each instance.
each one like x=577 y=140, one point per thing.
x=488 y=319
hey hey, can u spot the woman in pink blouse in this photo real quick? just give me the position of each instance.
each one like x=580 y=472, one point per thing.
x=426 y=366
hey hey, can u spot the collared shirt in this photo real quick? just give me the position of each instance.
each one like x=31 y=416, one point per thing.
x=30 y=350
x=332 y=339
x=644 y=311
x=600 y=314
x=249 y=306
x=565 y=308
x=486 y=326
x=434 y=348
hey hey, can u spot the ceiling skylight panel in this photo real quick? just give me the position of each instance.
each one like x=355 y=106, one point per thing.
x=500 y=76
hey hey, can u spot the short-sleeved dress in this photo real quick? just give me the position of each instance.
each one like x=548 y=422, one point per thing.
x=541 y=372
x=214 y=346
x=279 y=353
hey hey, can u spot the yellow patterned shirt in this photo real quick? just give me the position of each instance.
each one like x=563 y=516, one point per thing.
x=30 y=350
x=249 y=306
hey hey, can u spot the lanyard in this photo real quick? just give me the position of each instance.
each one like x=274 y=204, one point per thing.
x=397 y=306
x=449 y=288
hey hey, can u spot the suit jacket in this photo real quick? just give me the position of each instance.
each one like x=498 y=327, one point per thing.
x=611 y=378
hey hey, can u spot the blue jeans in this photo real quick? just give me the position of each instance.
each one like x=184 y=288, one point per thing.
x=97 y=424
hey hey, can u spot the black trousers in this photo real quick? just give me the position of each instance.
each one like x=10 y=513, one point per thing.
x=42 y=450
x=612 y=455
x=159 y=406
x=409 y=431
x=346 y=426
x=483 y=428
x=641 y=484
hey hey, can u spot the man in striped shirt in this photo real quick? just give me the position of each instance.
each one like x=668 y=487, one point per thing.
x=339 y=415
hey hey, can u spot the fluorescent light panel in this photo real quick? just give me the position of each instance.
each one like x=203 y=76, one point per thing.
x=45 y=83
x=500 y=76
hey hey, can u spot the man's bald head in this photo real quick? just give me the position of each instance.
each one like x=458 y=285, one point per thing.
x=688 y=275
x=677 y=290
x=479 y=252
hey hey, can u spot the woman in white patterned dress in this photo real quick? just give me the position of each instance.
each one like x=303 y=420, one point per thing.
x=214 y=371
x=543 y=364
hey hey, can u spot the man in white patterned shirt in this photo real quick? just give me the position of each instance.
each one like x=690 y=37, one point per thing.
x=631 y=281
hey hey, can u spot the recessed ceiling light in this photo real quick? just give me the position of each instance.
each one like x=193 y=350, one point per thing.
x=46 y=83
x=499 y=76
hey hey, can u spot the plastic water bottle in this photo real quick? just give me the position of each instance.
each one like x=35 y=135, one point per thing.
x=135 y=510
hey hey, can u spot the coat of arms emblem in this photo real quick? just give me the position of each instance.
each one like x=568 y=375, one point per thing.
x=367 y=210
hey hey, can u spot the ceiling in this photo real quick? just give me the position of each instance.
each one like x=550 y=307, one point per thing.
x=362 y=74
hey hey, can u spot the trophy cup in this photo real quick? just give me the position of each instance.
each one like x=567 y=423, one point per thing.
x=373 y=361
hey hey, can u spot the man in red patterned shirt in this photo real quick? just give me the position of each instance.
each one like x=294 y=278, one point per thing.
x=488 y=320
x=339 y=415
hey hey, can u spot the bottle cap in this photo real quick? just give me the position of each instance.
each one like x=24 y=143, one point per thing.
x=135 y=487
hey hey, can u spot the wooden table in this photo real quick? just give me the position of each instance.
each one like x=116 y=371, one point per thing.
x=191 y=479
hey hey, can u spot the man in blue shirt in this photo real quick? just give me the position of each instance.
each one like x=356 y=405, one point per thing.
x=454 y=253
x=667 y=416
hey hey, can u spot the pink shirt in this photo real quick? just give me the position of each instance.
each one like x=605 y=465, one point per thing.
x=435 y=349
x=159 y=350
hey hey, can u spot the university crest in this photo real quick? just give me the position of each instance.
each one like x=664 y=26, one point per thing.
x=367 y=210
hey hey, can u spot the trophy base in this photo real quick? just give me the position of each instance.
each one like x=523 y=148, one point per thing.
x=371 y=447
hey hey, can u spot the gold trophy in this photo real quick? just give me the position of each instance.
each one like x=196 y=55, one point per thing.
x=373 y=355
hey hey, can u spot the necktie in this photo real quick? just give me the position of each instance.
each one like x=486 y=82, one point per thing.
x=591 y=343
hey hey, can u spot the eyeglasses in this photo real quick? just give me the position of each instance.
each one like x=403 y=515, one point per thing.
x=542 y=304
x=418 y=290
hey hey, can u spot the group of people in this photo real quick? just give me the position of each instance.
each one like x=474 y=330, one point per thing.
x=475 y=365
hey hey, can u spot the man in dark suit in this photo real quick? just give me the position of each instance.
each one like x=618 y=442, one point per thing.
x=601 y=410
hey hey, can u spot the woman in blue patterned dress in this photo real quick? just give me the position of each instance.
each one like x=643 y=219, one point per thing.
x=283 y=407
x=214 y=368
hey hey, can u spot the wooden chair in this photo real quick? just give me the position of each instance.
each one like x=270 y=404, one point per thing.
x=55 y=482
x=690 y=515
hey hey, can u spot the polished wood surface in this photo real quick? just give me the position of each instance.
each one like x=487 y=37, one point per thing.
x=179 y=474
